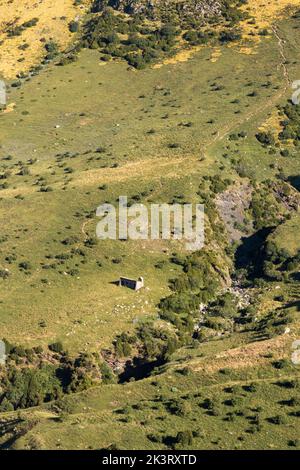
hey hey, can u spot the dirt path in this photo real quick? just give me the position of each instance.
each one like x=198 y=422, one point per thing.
x=85 y=223
x=283 y=62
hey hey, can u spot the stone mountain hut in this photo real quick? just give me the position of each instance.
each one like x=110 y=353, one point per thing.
x=132 y=283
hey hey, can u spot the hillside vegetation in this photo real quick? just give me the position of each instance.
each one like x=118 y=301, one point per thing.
x=175 y=102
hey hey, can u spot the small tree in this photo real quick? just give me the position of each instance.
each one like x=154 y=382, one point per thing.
x=184 y=439
x=56 y=347
x=73 y=26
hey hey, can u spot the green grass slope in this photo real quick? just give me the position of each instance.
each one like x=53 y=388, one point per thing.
x=86 y=133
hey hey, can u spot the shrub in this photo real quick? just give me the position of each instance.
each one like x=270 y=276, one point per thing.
x=228 y=36
x=56 y=347
x=179 y=407
x=265 y=138
x=294 y=443
x=184 y=438
x=281 y=364
x=91 y=241
x=31 y=387
x=123 y=345
x=107 y=374
x=250 y=388
x=278 y=419
x=70 y=240
x=6 y=405
x=4 y=273
x=73 y=26
x=25 y=265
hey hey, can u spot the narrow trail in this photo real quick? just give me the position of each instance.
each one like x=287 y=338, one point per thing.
x=83 y=226
x=255 y=381
x=283 y=63
x=39 y=409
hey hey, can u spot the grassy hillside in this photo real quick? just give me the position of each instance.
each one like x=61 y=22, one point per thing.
x=104 y=138
x=197 y=123
x=253 y=406
x=26 y=26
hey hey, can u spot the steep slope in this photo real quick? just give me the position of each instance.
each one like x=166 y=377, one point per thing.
x=26 y=26
x=215 y=328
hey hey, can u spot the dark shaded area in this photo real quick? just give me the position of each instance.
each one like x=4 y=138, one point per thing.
x=296 y=277
x=139 y=369
x=249 y=254
x=64 y=374
x=169 y=441
x=294 y=304
x=13 y=431
x=295 y=181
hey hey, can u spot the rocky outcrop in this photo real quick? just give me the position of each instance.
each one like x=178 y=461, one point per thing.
x=152 y=8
